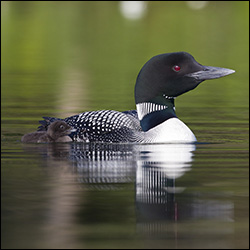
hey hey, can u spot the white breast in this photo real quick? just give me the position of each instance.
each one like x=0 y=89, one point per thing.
x=171 y=131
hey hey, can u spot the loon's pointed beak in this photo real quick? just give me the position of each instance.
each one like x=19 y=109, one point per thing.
x=209 y=72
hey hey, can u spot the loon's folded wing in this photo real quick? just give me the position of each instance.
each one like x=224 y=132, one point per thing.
x=101 y=125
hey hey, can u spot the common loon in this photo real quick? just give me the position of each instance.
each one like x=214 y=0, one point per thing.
x=159 y=82
x=58 y=131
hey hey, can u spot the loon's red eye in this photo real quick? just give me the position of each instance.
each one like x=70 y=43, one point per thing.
x=176 y=68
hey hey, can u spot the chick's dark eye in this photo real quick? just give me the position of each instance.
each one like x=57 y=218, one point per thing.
x=176 y=68
x=61 y=127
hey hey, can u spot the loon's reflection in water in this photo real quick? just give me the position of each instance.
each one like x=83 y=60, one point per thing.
x=159 y=197
x=104 y=166
x=156 y=171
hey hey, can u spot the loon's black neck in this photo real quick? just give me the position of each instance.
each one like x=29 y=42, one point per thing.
x=156 y=111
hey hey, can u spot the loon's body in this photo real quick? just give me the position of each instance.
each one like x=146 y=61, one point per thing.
x=160 y=81
x=58 y=131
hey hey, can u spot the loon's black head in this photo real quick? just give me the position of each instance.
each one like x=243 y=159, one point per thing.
x=164 y=77
x=172 y=74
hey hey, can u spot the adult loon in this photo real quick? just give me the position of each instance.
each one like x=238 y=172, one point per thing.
x=58 y=131
x=159 y=82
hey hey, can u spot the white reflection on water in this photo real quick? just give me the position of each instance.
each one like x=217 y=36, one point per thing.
x=157 y=169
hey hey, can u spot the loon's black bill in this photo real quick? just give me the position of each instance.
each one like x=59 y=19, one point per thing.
x=209 y=72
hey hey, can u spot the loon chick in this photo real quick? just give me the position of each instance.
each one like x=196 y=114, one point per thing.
x=58 y=131
x=159 y=82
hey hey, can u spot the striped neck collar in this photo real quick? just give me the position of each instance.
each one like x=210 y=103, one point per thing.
x=155 y=112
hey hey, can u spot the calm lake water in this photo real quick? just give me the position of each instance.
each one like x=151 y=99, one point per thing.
x=63 y=59
x=78 y=195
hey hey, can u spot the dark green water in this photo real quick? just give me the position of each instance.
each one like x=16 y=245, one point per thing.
x=63 y=58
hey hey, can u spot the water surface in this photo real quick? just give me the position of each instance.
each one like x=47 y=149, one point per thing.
x=77 y=195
